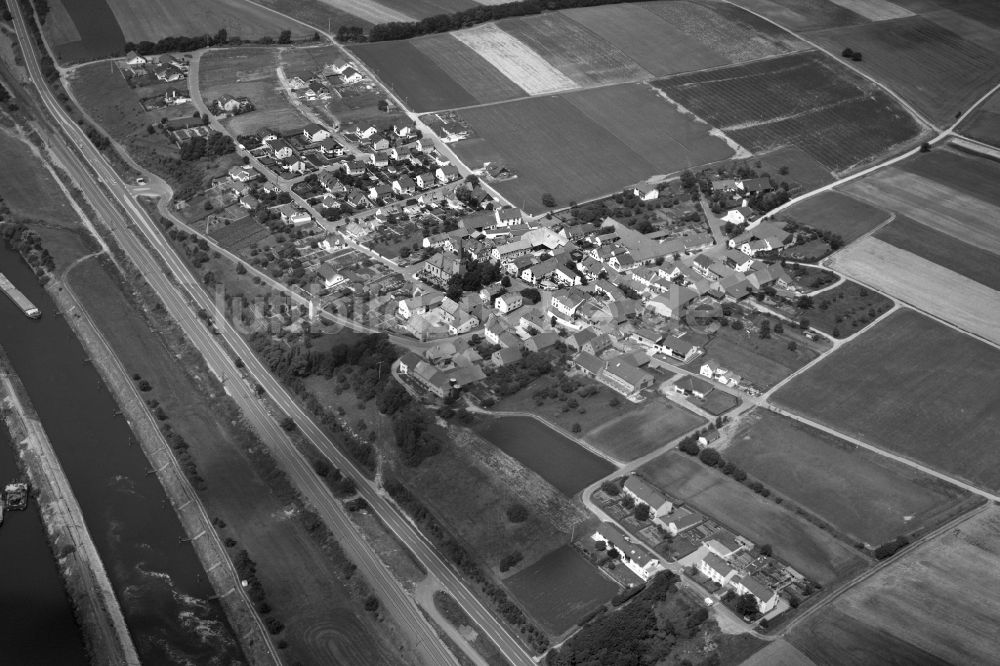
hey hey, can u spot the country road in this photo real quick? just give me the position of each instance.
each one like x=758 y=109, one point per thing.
x=182 y=295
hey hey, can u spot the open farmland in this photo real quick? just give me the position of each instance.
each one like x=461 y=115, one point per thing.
x=799 y=15
x=94 y=26
x=933 y=203
x=561 y=589
x=936 y=605
x=811 y=550
x=467 y=69
x=803 y=99
x=984 y=123
x=251 y=72
x=869 y=497
x=514 y=59
x=318 y=13
x=942 y=249
x=974 y=175
x=151 y=20
x=969 y=305
x=24 y=177
x=936 y=70
x=556 y=147
x=832 y=211
x=934 y=397
x=643 y=430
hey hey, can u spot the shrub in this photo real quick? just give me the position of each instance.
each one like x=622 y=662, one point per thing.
x=517 y=513
x=710 y=457
x=610 y=487
x=371 y=603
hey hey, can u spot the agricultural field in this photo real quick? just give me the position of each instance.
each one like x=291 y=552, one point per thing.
x=82 y=30
x=761 y=362
x=845 y=309
x=22 y=181
x=554 y=146
x=561 y=589
x=801 y=15
x=809 y=549
x=803 y=99
x=514 y=59
x=643 y=430
x=838 y=213
x=968 y=305
x=934 y=398
x=984 y=123
x=862 y=494
x=973 y=175
x=467 y=69
x=944 y=250
x=935 y=605
x=239 y=237
x=251 y=72
x=143 y=20
x=938 y=71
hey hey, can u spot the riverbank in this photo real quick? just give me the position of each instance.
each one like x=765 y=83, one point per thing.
x=105 y=632
x=247 y=625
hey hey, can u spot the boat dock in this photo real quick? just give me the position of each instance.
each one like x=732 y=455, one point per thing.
x=20 y=300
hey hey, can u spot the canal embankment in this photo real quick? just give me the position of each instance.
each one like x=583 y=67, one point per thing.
x=87 y=583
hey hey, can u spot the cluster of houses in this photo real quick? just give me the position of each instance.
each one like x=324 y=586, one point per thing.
x=166 y=68
x=312 y=86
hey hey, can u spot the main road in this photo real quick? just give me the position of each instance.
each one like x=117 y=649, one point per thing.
x=182 y=296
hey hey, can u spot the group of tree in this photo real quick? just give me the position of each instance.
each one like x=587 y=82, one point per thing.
x=473 y=277
x=851 y=54
x=185 y=43
x=215 y=144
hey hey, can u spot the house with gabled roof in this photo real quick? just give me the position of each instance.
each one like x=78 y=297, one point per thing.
x=646 y=493
x=633 y=555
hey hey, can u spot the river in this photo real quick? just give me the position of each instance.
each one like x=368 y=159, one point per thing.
x=158 y=579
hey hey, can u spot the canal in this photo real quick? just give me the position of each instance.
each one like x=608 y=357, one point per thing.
x=164 y=594
x=556 y=458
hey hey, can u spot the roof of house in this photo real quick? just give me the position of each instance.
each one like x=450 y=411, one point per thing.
x=718 y=564
x=589 y=362
x=508 y=355
x=409 y=359
x=755 y=587
x=645 y=491
x=628 y=373
x=543 y=340
x=678 y=345
x=689 y=383
x=724 y=538
x=623 y=543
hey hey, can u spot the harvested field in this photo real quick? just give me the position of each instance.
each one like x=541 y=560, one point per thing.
x=832 y=211
x=561 y=589
x=934 y=397
x=24 y=177
x=514 y=59
x=938 y=71
x=984 y=123
x=975 y=175
x=423 y=8
x=59 y=26
x=143 y=20
x=778 y=653
x=557 y=148
x=862 y=494
x=874 y=10
x=802 y=99
x=799 y=15
x=98 y=34
x=969 y=28
x=935 y=204
x=317 y=13
x=415 y=77
x=467 y=69
x=814 y=552
x=251 y=72
x=897 y=616
x=925 y=285
x=942 y=249
x=369 y=11
x=573 y=50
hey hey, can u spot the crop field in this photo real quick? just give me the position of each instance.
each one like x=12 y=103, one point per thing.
x=941 y=73
x=762 y=362
x=574 y=50
x=809 y=549
x=251 y=72
x=97 y=33
x=556 y=147
x=832 y=211
x=467 y=69
x=560 y=589
x=974 y=175
x=643 y=430
x=59 y=26
x=942 y=249
x=24 y=177
x=869 y=497
x=934 y=397
x=933 y=203
x=318 y=12
x=514 y=59
x=935 y=605
x=800 y=15
x=984 y=123
x=802 y=99
x=145 y=20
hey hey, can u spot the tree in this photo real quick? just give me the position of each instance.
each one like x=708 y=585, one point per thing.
x=804 y=303
x=641 y=512
x=804 y=324
x=765 y=330
x=610 y=488
x=847 y=53
x=371 y=603
x=628 y=502
x=710 y=457
x=287 y=424
x=285 y=37
x=576 y=428
x=517 y=513
x=689 y=446
x=548 y=200
x=925 y=147
x=531 y=295
x=779 y=328
x=746 y=605
x=792 y=345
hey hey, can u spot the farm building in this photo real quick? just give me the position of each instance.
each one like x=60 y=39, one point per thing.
x=688 y=385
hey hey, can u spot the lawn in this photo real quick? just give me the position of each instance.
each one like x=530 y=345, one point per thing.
x=947 y=251
x=152 y=20
x=843 y=310
x=862 y=494
x=936 y=605
x=938 y=71
x=804 y=99
x=839 y=214
x=556 y=147
x=561 y=589
x=24 y=179
x=966 y=304
x=762 y=362
x=933 y=396
x=809 y=549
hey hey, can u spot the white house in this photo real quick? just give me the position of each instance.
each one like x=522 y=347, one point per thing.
x=739 y=216
x=509 y=302
x=329 y=276
x=638 y=560
x=351 y=75
x=716 y=569
x=567 y=303
x=510 y=251
x=765 y=596
x=133 y=59
x=424 y=180
x=280 y=148
x=506 y=217
x=646 y=192
x=315 y=133
x=643 y=493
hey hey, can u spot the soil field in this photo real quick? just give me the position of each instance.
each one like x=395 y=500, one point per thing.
x=969 y=28
x=97 y=31
x=810 y=550
x=556 y=147
x=799 y=15
x=875 y=10
x=943 y=250
x=574 y=50
x=560 y=589
x=934 y=397
x=973 y=175
x=925 y=285
x=935 y=204
x=762 y=362
x=869 y=497
x=803 y=99
x=843 y=310
x=897 y=616
x=469 y=70
x=984 y=123
x=832 y=211
x=419 y=9
x=251 y=72
x=514 y=59
x=938 y=71
x=317 y=13
x=145 y=20
x=24 y=178
x=368 y=11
